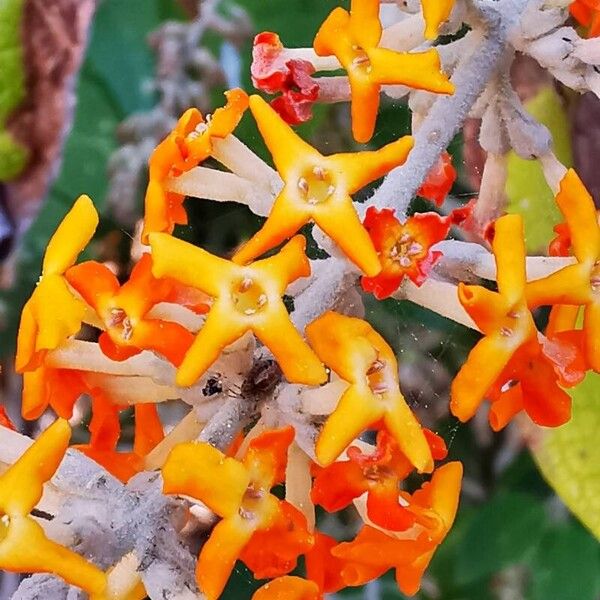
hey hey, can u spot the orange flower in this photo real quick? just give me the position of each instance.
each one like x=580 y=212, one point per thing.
x=578 y=284
x=247 y=298
x=239 y=492
x=24 y=547
x=318 y=188
x=47 y=386
x=439 y=180
x=188 y=144
x=530 y=381
x=288 y=588
x=322 y=567
x=105 y=430
x=353 y=39
x=53 y=313
x=404 y=249
x=123 y=310
x=435 y=12
x=379 y=475
x=373 y=552
x=502 y=316
x=587 y=13
x=360 y=356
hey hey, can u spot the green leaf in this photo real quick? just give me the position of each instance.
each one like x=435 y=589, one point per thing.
x=569 y=456
x=527 y=190
x=503 y=532
x=567 y=565
x=13 y=156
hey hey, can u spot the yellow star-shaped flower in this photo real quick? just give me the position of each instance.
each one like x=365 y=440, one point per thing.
x=247 y=298
x=353 y=38
x=318 y=188
x=24 y=547
x=360 y=356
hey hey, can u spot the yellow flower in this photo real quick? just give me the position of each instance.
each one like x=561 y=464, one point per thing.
x=318 y=188
x=353 y=38
x=247 y=298
x=360 y=356
x=24 y=547
x=53 y=313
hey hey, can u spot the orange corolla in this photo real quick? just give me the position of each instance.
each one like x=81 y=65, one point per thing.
x=123 y=310
x=377 y=474
x=105 y=431
x=587 y=13
x=404 y=249
x=24 y=547
x=322 y=567
x=360 y=356
x=47 y=386
x=502 y=316
x=533 y=380
x=188 y=144
x=353 y=38
x=435 y=12
x=53 y=313
x=318 y=188
x=374 y=552
x=247 y=298
x=288 y=588
x=239 y=492
x=579 y=284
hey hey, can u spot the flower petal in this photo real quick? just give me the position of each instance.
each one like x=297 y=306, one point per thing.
x=205 y=473
x=71 y=237
x=288 y=588
x=21 y=486
x=418 y=70
x=219 y=553
x=26 y=549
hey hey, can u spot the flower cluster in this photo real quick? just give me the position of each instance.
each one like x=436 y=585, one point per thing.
x=190 y=325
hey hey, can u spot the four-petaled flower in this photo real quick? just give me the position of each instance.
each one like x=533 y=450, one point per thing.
x=24 y=547
x=54 y=313
x=510 y=352
x=353 y=38
x=404 y=249
x=360 y=356
x=374 y=552
x=123 y=310
x=378 y=474
x=188 y=144
x=240 y=493
x=247 y=298
x=578 y=284
x=317 y=188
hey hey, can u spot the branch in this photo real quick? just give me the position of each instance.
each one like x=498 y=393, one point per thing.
x=449 y=112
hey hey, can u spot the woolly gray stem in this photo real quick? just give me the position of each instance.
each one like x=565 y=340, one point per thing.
x=448 y=113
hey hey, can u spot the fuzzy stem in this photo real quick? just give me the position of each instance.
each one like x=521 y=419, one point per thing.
x=449 y=112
